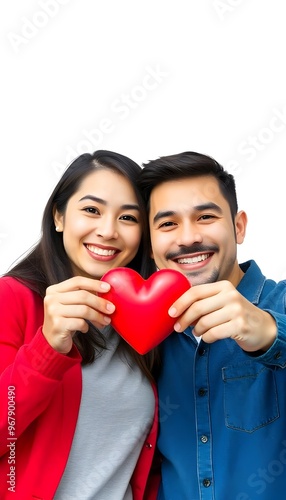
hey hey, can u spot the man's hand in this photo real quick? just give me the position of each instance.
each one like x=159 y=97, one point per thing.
x=218 y=311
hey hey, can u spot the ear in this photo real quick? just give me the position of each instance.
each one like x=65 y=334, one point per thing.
x=58 y=220
x=240 y=226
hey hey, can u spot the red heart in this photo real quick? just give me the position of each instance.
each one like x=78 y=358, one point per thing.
x=141 y=314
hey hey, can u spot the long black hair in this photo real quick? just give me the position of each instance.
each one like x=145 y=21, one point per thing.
x=48 y=264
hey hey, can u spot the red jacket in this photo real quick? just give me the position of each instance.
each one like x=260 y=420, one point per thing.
x=40 y=392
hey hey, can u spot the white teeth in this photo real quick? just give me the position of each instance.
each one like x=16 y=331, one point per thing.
x=100 y=251
x=194 y=260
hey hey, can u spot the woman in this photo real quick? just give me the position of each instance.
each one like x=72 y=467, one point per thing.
x=77 y=416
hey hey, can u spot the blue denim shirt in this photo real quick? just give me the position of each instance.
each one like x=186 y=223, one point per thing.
x=223 y=411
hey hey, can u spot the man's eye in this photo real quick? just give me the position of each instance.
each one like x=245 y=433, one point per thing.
x=167 y=224
x=206 y=217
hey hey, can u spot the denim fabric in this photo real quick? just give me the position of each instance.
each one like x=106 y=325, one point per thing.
x=223 y=411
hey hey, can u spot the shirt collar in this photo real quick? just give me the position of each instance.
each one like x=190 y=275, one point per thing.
x=252 y=283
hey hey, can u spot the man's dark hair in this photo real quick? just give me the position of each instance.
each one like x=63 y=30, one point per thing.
x=186 y=165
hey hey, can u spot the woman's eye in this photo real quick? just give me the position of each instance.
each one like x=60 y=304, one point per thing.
x=131 y=218
x=91 y=210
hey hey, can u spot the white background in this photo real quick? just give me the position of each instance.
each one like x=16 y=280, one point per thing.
x=145 y=79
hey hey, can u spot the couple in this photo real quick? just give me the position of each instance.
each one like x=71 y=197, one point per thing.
x=86 y=419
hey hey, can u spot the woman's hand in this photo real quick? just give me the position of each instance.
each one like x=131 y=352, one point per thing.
x=69 y=305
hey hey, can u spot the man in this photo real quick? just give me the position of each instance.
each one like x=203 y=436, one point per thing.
x=222 y=383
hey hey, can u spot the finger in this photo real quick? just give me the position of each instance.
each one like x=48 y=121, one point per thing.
x=72 y=325
x=180 y=305
x=79 y=283
x=218 y=332
x=194 y=294
x=80 y=312
x=78 y=297
x=198 y=310
x=211 y=321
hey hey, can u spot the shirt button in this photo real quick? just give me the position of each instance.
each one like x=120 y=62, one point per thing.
x=202 y=352
x=202 y=391
x=277 y=355
x=149 y=445
x=204 y=439
x=207 y=483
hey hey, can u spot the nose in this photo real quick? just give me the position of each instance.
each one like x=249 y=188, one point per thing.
x=189 y=234
x=106 y=228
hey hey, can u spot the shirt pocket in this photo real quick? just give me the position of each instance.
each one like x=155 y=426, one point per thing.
x=250 y=396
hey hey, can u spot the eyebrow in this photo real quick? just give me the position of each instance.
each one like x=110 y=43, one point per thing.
x=198 y=208
x=126 y=206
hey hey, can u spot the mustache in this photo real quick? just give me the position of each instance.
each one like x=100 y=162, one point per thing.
x=185 y=250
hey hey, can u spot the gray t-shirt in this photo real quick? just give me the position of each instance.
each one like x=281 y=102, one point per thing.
x=116 y=412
